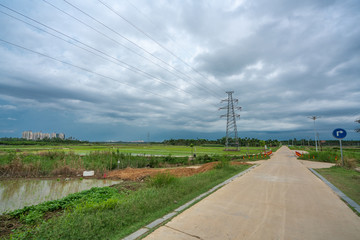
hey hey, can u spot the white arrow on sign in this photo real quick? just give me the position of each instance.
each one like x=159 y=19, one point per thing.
x=339 y=132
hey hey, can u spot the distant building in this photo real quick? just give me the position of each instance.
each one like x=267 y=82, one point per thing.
x=61 y=136
x=45 y=135
x=37 y=136
x=29 y=135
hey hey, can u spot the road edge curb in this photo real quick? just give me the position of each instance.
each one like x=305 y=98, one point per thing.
x=342 y=195
x=144 y=230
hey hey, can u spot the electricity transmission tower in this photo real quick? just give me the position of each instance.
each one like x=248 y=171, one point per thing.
x=231 y=129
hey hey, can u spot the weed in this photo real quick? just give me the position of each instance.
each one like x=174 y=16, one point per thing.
x=224 y=163
x=162 y=180
x=350 y=163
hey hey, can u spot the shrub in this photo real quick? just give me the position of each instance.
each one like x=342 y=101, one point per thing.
x=349 y=163
x=162 y=179
x=224 y=163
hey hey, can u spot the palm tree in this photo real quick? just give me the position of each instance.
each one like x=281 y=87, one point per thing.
x=357 y=129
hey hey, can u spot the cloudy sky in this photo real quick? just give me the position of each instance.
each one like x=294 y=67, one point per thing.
x=137 y=70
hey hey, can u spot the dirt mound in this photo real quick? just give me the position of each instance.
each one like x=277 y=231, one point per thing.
x=138 y=174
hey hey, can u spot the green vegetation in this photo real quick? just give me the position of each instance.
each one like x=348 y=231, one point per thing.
x=71 y=160
x=134 y=149
x=328 y=156
x=112 y=213
x=332 y=154
x=52 y=141
x=347 y=180
x=54 y=163
x=34 y=214
x=311 y=143
x=251 y=142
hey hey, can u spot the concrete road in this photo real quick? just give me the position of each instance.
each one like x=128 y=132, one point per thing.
x=280 y=199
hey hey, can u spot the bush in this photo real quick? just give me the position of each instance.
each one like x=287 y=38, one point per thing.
x=321 y=156
x=349 y=163
x=162 y=180
x=224 y=163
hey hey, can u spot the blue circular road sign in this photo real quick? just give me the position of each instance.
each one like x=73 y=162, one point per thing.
x=339 y=133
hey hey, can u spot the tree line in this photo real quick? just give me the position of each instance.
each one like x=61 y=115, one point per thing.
x=46 y=141
x=251 y=142
x=309 y=142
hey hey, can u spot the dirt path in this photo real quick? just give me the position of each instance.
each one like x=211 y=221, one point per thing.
x=280 y=199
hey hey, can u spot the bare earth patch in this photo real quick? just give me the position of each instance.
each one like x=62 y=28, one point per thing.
x=138 y=174
x=315 y=165
x=256 y=162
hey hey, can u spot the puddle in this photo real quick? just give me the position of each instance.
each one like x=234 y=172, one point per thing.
x=16 y=194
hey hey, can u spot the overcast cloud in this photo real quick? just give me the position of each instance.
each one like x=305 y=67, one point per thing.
x=161 y=68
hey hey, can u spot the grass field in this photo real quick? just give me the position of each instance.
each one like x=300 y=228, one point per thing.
x=72 y=160
x=148 y=149
x=347 y=180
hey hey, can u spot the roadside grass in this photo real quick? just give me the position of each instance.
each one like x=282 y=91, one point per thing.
x=347 y=180
x=332 y=154
x=351 y=159
x=320 y=156
x=116 y=215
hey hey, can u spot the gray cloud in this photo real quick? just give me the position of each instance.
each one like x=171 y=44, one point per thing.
x=285 y=60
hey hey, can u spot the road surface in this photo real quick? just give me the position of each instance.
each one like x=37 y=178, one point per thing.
x=280 y=199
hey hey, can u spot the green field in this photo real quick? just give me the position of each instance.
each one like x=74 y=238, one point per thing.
x=71 y=160
x=147 y=149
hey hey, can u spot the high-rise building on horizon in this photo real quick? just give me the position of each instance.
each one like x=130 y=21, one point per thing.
x=29 y=135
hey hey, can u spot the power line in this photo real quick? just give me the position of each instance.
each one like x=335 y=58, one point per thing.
x=105 y=35
x=154 y=40
x=148 y=19
x=127 y=66
x=84 y=69
x=114 y=40
x=117 y=61
x=132 y=42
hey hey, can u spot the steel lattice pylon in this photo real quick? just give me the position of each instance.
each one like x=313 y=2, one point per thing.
x=231 y=129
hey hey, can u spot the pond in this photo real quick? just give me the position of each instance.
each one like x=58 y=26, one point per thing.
x=16 y=194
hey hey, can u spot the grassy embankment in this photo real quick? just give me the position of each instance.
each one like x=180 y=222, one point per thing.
x=55 y=162
x=112 y=213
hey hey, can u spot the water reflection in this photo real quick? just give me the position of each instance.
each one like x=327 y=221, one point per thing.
x=15 y=194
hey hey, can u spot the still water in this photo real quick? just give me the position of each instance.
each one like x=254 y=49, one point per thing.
x=16 y=194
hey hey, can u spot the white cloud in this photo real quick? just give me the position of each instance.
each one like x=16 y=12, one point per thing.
x=7 y=107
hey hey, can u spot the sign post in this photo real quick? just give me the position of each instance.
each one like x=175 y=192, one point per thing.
x=340 y=133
